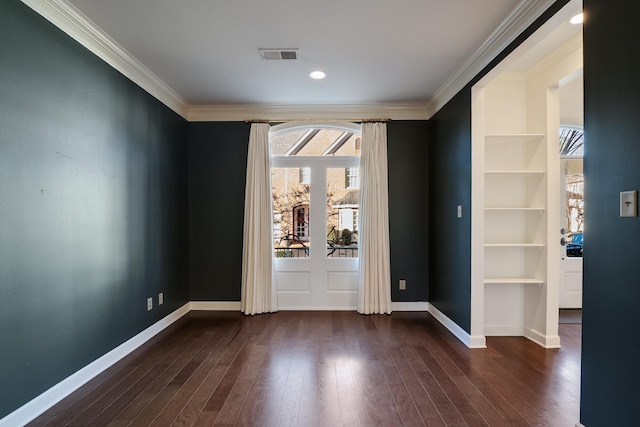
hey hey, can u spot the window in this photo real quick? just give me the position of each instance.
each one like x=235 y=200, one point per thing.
x=301 y=223
x=355 y=221
x=571 y=146
x=305 y=175
x=571 y=140
x=352 y=180
x=323 y=162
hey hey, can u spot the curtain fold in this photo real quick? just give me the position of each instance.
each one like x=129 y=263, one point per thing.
x=258 y=273
x=374 y=282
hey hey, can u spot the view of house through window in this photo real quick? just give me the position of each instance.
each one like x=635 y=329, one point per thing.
x=302 y=157
x=342 y=213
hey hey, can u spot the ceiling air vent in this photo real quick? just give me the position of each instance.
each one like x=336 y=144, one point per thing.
x=278 y=54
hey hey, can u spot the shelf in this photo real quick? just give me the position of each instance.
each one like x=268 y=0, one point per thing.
x=519 y=172
x=511 y=138
x=514 y=209
x=512 y=281
x=514 y=245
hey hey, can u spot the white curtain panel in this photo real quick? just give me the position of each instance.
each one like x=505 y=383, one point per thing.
x=374 y=283
x=258 y=273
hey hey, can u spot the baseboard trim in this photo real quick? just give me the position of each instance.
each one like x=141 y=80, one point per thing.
x=503 y=331
x=216 y=305
x=236 y=306
x=32 y=409
x=38 y=405
x=546 y=341
x=410 y=306
x=475 y=341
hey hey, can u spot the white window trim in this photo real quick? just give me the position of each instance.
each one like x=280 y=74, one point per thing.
x=287 y=127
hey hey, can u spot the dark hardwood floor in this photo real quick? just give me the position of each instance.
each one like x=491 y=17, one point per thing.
x=328 y=369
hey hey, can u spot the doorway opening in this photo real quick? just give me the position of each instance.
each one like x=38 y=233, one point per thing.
x=571 y=148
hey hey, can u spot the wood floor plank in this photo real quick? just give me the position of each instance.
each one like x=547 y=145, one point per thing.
x=133 y=383
x=232 y=406
x=328 y=369
x=85 y=396
x=190 y=385
x=145 y=406
x=459 y=373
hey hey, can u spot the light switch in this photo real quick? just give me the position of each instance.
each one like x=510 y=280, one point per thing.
x=459 y=211
x=628 y=204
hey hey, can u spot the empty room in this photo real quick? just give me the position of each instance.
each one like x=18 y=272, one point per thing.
x=170 y=170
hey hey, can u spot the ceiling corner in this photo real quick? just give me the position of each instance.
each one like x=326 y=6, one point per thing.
x=70 y=20
x=517 y=22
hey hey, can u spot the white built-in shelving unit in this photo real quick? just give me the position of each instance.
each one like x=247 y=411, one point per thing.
x=514 y=194
x=514 y=277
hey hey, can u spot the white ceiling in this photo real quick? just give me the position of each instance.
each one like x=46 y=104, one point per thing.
x=374 y=52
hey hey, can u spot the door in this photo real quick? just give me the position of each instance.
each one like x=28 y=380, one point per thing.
x=315 y=195
x=570 y=285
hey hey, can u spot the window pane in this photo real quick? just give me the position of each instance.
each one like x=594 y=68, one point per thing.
x=290 y=213
x=305 y=175
x=342 y=215
x=575 y=214
x=571 y=142
x=316 y=142
x=352 y=179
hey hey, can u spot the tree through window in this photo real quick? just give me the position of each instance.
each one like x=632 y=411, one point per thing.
x=571 y=147
x=296 y=153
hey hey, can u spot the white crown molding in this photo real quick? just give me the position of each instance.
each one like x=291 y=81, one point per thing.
x=205 y=113
x=517 y=22
x=70 y=20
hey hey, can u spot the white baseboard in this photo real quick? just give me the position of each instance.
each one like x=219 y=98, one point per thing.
x=468 y=340
x=503 y=331
x=546 y=341
x=410 y=306
x=216 y=305
x=32 y=409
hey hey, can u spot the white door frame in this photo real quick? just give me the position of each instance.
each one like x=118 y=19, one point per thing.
x=570 y=286
x=317 y=282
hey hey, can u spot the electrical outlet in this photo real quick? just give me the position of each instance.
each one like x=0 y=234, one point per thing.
x=403 y=285
x=149 y=303
x=160 y=298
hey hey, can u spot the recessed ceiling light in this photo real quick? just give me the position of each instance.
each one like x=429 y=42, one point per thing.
x=317 y=75
x=577 y=19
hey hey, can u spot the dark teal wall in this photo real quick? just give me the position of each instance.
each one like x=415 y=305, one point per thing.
x=450 y=186
x=93 y=207
x=217 y=175
x=408 y=159
x=217 y=169
x=450 y=242
x=611 y=333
